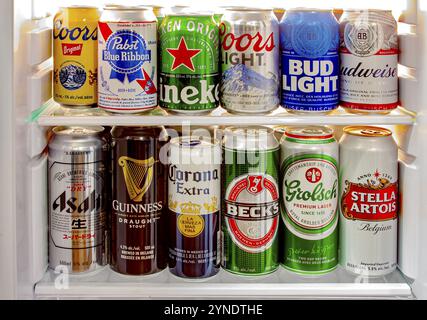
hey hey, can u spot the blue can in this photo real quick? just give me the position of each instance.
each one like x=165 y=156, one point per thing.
x=309 y=40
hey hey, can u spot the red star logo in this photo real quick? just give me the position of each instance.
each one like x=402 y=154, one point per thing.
x=183 y=56
x=377 y=174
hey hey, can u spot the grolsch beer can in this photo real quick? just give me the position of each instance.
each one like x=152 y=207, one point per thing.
x=369 y=201
x=139 y=201
x=75 y=50
x=309 y=174
x=78 y=194
x=194 y=205
x=250 y=209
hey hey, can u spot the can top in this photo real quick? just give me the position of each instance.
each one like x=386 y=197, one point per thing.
x=78 y=131
x=310 y=132
x=373 y=10
x=247 y=9
x=303 y=9
x=120 y=7
x=77 y=7
x=252 y=138
x=189 y=142
x=367 y=131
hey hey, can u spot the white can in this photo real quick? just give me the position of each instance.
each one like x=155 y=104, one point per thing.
x=369 y=201
x=127 y=59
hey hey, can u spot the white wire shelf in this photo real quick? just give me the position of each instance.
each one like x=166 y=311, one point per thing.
x=53 y=114
x=281 y=284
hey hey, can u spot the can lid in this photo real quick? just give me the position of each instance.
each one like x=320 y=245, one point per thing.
x=120 y=7
x=247 y=9
x=310 y=132
x=303 y=9
x=76 y=7
x=251 y=138
x=189 y=142
x=367 y=131
x=372 y=10
x=78 y=131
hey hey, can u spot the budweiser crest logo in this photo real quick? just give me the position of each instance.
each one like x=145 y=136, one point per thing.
x=245 y=41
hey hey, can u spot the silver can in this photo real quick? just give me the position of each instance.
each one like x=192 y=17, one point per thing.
x=369 y=201
x=249 y=61
x=78 y=171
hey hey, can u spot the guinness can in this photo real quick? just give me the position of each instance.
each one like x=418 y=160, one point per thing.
x=138 y=224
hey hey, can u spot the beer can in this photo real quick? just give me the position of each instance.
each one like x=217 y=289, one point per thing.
x=78 y=194
x=369 y=59
x=249 y=61
x=250 y=210
x=189 y=54
x=310 y=61
x=194 y=205
x=369 y=201
x=309 y=206
x=127 y=54
x=75 y=49
x=139 y=201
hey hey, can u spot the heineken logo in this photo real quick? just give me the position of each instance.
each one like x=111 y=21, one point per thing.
x=183 y=56
x=204 y=93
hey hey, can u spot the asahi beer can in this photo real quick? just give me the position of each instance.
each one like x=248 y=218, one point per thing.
x=369 y=58
x=310 y=61
x=309 y=174
x=139 y=201
x=189 y=55
x=127 y=55
x=78 y=194
x=194 y=206
x=75 y=50
x=369 y=201
x=249 y=61
x=250 y=210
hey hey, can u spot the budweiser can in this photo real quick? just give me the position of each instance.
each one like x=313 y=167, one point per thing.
x=127 y=59
x=369 y=57
x=369 y=201
x=78 y=171
x=249 y=61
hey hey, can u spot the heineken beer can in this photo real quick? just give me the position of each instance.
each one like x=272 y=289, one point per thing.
x=250 y=210
x=369 y=201
x=189 y=55
x=309 y=174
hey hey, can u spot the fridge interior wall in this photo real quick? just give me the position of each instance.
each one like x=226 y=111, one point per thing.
x=32 y=87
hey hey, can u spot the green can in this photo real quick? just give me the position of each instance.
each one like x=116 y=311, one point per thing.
x=189 y=67
x=251 y=205
x=309 y=174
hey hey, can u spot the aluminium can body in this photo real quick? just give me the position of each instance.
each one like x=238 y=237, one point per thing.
x=309 y=174
x=189 y=55
x=309 y=41
x=250 y=209
x=127 y=56
x=194 y=207
x=78 y=194
x=249 y=61
x=75 y=50
x=369 y=60
x=368 y=201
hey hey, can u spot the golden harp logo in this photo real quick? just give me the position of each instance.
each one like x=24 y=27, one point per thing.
x=138 y=176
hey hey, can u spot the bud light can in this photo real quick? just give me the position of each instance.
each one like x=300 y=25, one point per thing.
x=249 y=61
x=309 y=41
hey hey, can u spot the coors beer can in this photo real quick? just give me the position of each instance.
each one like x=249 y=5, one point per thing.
x=369 y=57
x=369 y=201
x=78 y=194
x=194 y=204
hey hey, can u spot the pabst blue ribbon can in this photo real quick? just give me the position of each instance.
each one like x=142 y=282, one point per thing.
x=127 y=58
x=249 y=61
x=309 y=41
x=369 y=201
x=369 y=58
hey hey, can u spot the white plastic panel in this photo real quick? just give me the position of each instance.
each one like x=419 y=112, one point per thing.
x=409 y=14
x=36 y=140
x=408 y=93
x=40 y=88
x=40 y=42
x=408 y=47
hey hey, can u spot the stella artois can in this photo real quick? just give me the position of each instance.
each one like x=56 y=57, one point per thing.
x=369 y=201
x=250 y=210
x=309 y=174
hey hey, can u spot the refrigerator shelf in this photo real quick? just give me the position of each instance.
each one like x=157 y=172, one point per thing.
x=281 y=284
x=52 y=114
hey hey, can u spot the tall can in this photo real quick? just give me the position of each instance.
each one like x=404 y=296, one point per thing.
x=139 y=201
x=75 y=50
x=250 y=210
x=189 y=55
x=309 y=41
x=78 y=194
x=249 y=61
x=194 y=205
x=309 y=174
x=369 y=59
x=127 y=55
x=369 y=201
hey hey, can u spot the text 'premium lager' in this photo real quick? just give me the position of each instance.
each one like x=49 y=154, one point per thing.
x=250 y=210
x=310 y=199
x=189 y=55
